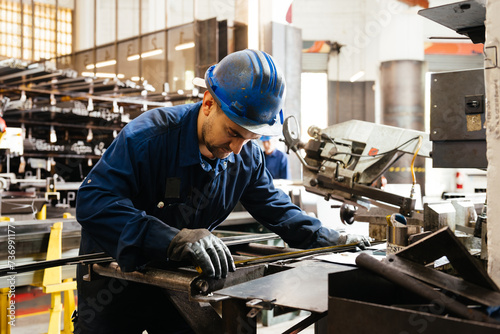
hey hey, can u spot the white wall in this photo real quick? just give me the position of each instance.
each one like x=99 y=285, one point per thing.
x=371 y=32
x=84 y=25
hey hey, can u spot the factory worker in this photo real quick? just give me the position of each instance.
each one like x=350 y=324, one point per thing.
x=276 y=160
x=170 y=177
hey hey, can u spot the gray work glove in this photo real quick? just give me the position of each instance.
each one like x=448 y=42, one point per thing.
x=204 y=250
x=361 y=241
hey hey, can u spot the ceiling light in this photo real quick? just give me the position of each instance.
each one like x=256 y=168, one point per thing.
x=184 y=46
x=103 y=75
x=101 y=64
x=151 y=53
x=146 y=54
x=133 y=57
x=357 y=76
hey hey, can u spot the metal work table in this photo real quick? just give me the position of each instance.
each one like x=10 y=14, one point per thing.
x=292 y=284
x=304 y=286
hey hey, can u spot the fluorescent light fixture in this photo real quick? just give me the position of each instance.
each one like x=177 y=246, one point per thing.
x=103 y=75
x=357 y=76
x=146 y=54
x=184 y=46
x=136 y=78
x=133 y=57
x=101 y=64
x=151 y=53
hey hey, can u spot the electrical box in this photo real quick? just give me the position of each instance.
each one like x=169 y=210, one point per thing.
x=457 y=113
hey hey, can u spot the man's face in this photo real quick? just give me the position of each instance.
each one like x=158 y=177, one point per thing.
x=222 y=136
x=268 y=146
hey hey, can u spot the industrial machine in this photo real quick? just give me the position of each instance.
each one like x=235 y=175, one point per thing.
x=343 y=161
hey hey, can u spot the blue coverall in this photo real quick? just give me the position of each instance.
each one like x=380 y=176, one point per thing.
x=277 y=164
x=151 y=182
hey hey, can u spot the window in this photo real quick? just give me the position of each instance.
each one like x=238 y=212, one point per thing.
x=10 y=26
x=35 y=30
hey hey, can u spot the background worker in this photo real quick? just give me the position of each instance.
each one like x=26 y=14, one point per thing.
x=170 y=177
x=276 y=160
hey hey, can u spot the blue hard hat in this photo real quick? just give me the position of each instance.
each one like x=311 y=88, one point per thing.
x=250 y=89
x=265 y=138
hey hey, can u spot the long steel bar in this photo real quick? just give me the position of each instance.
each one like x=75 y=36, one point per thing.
x=118 y=98
x=231 y=241
x=41 y=77
x=95 y=257
x=295 y=254
x=23 y=73
x=102 y=257
x=368 y=262
x=445 y=281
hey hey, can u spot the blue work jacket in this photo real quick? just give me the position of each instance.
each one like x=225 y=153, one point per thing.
x=277 y=164
x=152 y=181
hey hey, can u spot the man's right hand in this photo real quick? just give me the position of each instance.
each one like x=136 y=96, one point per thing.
x=204 y=250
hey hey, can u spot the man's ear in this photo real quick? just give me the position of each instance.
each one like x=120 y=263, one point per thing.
x=209 y=103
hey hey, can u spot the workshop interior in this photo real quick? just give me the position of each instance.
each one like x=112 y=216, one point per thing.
x=391 y=130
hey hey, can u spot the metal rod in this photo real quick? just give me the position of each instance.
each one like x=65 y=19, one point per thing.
x=445 y=281
x=368 y=262
x=295 y=254
x=55 y=263
x=119 y=98
x=98 y=257
x=239 y=240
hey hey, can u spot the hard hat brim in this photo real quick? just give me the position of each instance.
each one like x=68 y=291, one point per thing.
x=259 y=129
x=200 y=82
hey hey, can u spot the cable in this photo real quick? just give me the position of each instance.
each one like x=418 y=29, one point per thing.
x=412 y=166
x=375 y=155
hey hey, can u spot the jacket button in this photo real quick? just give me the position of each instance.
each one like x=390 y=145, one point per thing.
x=160 y=205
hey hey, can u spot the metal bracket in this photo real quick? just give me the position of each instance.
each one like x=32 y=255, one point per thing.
x=257 y=305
